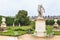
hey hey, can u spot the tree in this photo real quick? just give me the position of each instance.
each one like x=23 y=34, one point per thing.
x=9 y=21
x=22 y=17
x=16 y=22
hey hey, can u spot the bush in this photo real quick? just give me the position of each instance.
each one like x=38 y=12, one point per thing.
x=58 y=22
x=49 y=22
x=32 y=24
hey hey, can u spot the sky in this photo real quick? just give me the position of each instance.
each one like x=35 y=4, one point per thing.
x=11 y=7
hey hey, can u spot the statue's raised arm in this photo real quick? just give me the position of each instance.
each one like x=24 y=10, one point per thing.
x=41 y=10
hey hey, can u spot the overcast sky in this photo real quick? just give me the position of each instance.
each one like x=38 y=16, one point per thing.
x=11 y=7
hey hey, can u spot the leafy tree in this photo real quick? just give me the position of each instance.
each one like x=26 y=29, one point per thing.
x=16 y=22
x=9 y=21
x=22 y=17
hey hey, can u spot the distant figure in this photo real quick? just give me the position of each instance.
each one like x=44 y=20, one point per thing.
x=41 y=10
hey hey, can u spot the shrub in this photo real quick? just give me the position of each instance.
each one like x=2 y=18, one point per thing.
x=49 y=22
x=58 y=22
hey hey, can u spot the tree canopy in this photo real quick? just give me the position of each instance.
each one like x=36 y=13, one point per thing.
x=9 y=21
x=22 y=17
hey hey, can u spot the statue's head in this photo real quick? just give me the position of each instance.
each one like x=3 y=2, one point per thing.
x=40 y=6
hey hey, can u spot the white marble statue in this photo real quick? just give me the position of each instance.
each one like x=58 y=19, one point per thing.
x=40 y=23
x=41 y=10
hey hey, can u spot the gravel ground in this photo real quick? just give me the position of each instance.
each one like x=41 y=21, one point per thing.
x=29 y=37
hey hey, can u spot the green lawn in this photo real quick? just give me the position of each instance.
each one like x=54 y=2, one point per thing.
x=16 y=31
x=49 y=30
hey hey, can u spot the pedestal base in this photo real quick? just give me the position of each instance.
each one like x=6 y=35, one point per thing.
x=55 y=27
x=40 y=27
x=3 y=25
x=40 y=34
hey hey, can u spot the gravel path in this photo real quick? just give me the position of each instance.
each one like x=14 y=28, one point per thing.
x=8 y=38
x=29 y=37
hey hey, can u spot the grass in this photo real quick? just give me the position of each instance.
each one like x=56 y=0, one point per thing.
x=56 y=32
x=49 y=30
x=16 y=31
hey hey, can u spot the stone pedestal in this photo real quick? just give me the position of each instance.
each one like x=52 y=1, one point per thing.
x=40 y=27
x=55 y=26
x=3 y=25
x=3 y=22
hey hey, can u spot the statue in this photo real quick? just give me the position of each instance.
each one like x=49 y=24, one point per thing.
x=3 y=22
x=3 y=25
x=40 y=27
x=40 y=10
